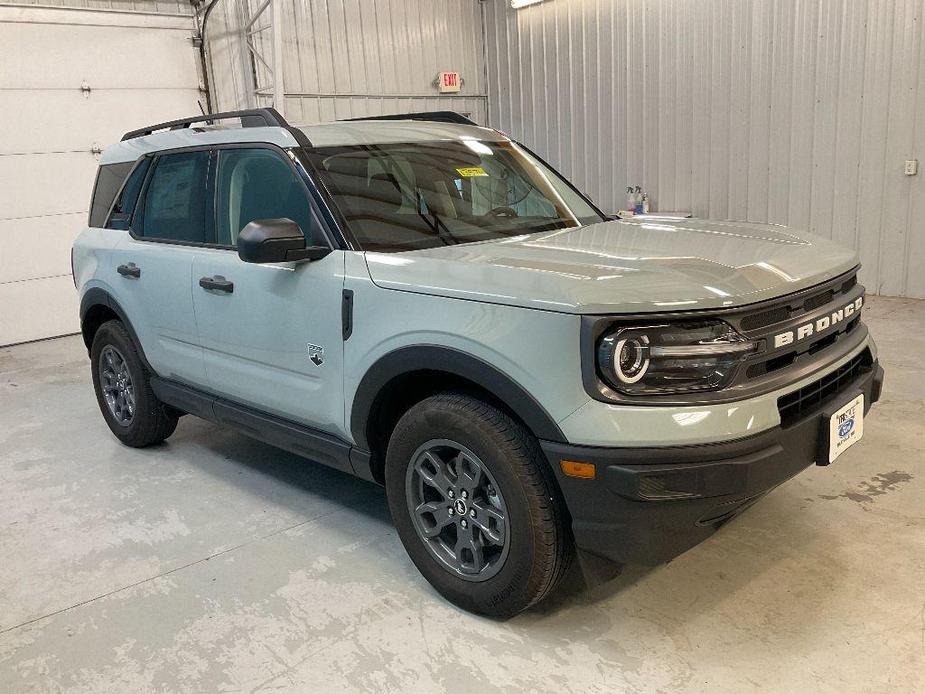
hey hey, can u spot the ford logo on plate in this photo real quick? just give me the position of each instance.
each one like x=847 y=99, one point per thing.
x=845 y=427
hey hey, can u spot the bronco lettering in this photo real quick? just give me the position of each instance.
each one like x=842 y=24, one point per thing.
x=817 y=326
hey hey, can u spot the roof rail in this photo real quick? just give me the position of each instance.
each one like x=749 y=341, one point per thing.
x=434 y=116
x=250 y=118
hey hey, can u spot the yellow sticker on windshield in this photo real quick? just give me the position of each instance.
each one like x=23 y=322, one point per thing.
x=472 y=171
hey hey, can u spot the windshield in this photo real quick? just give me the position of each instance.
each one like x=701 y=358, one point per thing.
x=400 y=197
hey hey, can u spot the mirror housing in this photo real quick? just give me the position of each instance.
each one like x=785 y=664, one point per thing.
x=276 y=241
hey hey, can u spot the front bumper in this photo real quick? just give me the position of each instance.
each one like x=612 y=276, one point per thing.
x=648 y=505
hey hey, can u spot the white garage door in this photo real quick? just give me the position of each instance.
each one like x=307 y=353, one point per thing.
x=137 y=70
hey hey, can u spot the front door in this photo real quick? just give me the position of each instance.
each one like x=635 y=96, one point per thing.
x=271 y=334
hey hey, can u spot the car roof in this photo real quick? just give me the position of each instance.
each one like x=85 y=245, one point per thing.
x=339 y=133
x=379 y=132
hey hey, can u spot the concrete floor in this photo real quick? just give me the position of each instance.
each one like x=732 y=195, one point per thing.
x=215 y=563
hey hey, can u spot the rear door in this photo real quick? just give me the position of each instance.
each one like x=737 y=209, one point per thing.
x=153 y=263
x=272 y=335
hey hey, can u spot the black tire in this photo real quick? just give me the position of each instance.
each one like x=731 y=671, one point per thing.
x=540 y=544
x=151 y=421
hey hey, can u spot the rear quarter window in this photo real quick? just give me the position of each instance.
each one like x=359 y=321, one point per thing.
x=109 y=179
x=124 y=205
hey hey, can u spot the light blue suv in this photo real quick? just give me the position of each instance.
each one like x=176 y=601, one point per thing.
x=425 y=303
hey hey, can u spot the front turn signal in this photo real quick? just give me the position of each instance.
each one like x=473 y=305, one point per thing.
x=573 y=468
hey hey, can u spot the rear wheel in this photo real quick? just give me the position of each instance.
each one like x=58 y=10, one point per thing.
x=123 y=389
x=474 y=506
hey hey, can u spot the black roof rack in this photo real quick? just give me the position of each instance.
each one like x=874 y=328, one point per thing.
x=250 y=118
x=434 y=116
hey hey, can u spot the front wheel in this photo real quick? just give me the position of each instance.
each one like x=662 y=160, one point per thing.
x=474 y=505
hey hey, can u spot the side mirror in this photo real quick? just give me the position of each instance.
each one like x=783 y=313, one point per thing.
x=276 y=241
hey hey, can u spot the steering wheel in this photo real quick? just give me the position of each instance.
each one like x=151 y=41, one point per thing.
x=503 y=211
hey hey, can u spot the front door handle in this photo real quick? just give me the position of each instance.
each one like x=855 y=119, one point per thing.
x=129 y=270
x=217 y=283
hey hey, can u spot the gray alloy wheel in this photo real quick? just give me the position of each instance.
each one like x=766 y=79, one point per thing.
x=457 y=510
x=116 y=383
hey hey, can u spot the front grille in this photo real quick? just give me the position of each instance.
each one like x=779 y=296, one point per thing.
x=766 y=318
x=794 y=406
x=818 y=300
x=779 y=314
x=764 y=367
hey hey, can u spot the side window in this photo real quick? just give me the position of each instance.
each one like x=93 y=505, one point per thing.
x=257 y=184
x=122 y=210
x=174 y=207
x=109 y=178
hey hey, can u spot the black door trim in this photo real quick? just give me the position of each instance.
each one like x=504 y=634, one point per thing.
x=296 y=438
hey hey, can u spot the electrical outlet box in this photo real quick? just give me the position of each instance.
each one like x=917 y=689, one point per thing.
x=911 y=167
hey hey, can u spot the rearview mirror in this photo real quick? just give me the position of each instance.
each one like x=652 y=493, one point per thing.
x=276 y=241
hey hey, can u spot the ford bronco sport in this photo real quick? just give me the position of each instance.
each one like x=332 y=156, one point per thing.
x=426 y=304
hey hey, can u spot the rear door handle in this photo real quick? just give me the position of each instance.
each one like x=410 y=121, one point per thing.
x=129 y=270
x=217 y=283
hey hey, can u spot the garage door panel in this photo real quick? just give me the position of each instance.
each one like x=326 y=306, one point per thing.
x=25 y=314
x=140 y=69
x=38 y=246
x=58 y=121
x=106 y=57
x=46 y=184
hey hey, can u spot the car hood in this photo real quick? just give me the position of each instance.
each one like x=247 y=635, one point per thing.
x=622 y=266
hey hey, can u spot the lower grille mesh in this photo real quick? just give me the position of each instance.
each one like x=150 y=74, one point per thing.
x=793 y=406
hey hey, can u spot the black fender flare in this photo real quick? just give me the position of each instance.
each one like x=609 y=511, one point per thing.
x=438 y=358
x=100 y=297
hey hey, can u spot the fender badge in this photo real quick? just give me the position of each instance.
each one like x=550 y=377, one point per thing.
x=316 y=354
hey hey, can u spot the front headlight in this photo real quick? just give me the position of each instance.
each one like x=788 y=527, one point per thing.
x=671 y=358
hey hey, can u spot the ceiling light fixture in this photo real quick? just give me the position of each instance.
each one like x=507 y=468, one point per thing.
x=517 y=4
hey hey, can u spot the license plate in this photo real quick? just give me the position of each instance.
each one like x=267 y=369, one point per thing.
x=846 y=427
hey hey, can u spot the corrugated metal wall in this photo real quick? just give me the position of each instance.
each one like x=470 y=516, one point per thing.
x=351 y=58
x=797 y=112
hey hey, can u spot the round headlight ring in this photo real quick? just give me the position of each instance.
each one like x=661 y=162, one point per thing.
x=631 y=359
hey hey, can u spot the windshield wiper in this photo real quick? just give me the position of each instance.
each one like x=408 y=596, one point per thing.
x=438 y=225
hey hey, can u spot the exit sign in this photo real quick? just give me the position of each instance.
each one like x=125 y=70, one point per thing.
x=448 y=82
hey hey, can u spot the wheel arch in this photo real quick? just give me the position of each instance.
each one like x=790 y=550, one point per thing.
x=407 y=375
x=98 y=306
